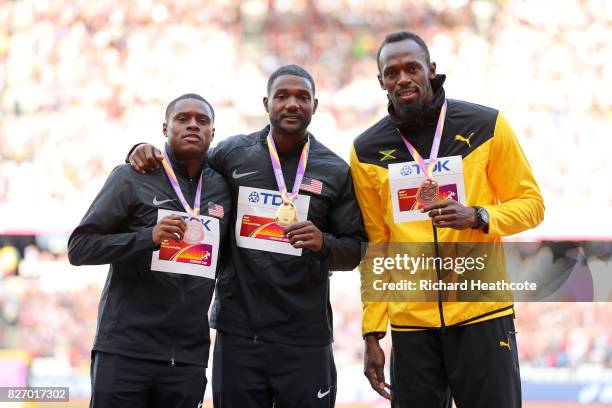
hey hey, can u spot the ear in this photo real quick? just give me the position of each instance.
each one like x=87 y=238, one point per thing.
x=316 y=103
x=165 y=129
x=380 y=82
x=265 y=103
x=432 y=70
x=212 y=134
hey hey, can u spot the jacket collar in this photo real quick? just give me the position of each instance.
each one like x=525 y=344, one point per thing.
x=430 y=112
x=297 y=150
x=177 y=165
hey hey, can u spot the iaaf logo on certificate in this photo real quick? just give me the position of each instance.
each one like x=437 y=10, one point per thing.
x=256 y=227
x=405 y=179
x=199 y=258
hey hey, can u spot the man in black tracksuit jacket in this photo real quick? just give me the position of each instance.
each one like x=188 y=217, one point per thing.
x=152 y=341
x=271 y=310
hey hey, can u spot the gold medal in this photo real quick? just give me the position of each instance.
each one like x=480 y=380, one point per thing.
x=194 y=234
x=428 y=193
x=286 y=215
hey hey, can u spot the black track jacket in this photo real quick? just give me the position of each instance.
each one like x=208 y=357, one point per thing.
x=144 y=313
x=277 y=297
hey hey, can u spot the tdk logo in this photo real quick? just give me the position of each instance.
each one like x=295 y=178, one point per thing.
x=203 y=222
x=265 y=198
x=440 y=166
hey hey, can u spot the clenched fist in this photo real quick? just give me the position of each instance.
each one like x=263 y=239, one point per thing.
x=170 y=227
x=305 y=235
x=146 y=158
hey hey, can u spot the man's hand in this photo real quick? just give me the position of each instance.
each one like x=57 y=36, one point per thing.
x=146 y=158
x=373 y=367
x=305 y=235
x=170 y=227
x=452 y=214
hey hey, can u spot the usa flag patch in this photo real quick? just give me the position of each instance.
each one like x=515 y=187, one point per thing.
x=313 y=185
x=215 y=210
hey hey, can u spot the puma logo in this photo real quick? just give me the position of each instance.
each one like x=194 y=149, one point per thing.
x=504 y=344
x=465 y=139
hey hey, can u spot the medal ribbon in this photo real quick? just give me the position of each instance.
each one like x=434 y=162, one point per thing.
x=427 y=168
x=278 y=171
x=194 y=213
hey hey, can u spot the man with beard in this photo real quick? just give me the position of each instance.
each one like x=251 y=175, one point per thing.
x=296 y=219
x=468 y=348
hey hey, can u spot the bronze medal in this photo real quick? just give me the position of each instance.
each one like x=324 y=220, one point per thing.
x=194 y=234
x=428 y=193
x=286 y=215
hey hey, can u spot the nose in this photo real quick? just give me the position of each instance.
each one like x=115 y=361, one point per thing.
x=193 y=125
x=404 y=78
x=292 y=104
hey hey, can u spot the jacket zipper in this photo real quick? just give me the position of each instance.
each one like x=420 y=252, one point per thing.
x=181 y=292
x=439 y=275
x=172 y=353
x=181 y=302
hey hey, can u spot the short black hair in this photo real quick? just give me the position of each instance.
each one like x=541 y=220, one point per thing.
x=188 y=96
x=291 y=69
x=401 y=36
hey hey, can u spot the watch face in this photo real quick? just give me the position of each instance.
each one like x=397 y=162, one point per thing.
x=483 y=215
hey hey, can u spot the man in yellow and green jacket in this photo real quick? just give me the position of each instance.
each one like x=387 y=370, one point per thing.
x=466 y=349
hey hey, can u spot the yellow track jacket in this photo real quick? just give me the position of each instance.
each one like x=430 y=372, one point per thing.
x=497 y=177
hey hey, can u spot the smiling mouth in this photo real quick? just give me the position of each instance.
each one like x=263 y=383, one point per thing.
x=407 y=92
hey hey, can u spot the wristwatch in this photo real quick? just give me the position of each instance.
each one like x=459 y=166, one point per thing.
x=483 y=219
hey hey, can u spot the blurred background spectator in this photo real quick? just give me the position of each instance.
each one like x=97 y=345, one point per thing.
x=82 y=81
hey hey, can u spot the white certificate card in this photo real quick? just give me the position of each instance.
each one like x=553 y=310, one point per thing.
x=199 y=259
x=405 y=179
x=255 y=225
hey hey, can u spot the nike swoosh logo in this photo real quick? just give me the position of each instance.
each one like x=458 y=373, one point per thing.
x=239 y=175
x=155 y=202
x=322 y=394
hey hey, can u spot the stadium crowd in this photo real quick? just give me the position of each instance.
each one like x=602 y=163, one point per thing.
x=78 y=77
x=81 y=81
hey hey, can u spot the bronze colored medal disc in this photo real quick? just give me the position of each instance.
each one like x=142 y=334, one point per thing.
x=428 y=193
x=194 y=234
x=286 y=215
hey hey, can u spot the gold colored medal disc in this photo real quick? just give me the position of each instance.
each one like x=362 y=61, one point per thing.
x=286 y=215
x=428 y=193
